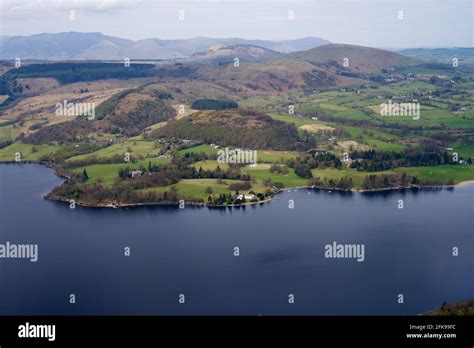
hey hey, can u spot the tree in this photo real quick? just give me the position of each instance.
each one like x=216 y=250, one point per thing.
x=213 y=104
x=209 y=190
x=303 y=171
x=85 y=176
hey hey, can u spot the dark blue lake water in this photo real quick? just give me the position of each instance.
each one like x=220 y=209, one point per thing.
x=191 y=251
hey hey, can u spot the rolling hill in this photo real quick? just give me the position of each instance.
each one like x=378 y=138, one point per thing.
x=227 y=53
x=366 y=60
x=314 y=69
x=239 y=128
x=277 y=75
x=128 y=113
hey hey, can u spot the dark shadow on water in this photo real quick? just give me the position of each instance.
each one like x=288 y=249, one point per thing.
x=219 y=210
x=403 y=192
x=388 y=193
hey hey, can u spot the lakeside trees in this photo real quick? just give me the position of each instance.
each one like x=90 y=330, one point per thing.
x=303 y=165
x=373 y=161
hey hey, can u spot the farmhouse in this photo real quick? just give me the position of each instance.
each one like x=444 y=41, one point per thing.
x=135 y=173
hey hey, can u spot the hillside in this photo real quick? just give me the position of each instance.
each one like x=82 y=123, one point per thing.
x=278 y=75
x=134 y=110
x=63 y=46
x=315 y=69
x=240 y=128
x=361 y=59
x=219 y=54
x=127 y=113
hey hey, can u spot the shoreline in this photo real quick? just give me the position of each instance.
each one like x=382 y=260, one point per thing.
x=131 y=205
x=61 y=174
x=267 y=200
x=465 y=183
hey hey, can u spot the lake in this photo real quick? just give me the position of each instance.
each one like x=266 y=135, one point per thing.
x=192 y=251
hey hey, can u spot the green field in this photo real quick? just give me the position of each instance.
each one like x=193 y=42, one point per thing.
x=457 y=173
x=408 y=87
x=262 y=172
x=196 y=188
x=270 y=156
x=136 y=148
x=198 y=149
x=28 y=152
x=209 y=165
x=6 y=133
x=371 y=140
x=263 y=156
x=333 y=173
x=108 y=173
x=429 y=117
x=298 y=121
x=464 y=150
x=344 y=112
x=349 y=105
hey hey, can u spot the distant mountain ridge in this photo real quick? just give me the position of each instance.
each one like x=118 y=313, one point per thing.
x=262 y=70
x=97 y=46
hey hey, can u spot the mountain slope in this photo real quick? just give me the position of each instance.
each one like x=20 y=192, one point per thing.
x=227 y=53
x=128 y=112
x=70 y=45
x=277 y=75
x=314 y=69
x=240 y=128
x=360 y=59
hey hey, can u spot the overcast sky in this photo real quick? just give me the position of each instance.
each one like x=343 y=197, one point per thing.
x=377 y=23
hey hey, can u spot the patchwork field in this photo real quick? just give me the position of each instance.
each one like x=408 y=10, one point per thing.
x=262 y=172
x=136 y=149
x=298 y=111
x=446 y=173
x=28 y=152
x=108 y=173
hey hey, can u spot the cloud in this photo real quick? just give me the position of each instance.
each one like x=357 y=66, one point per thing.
x=39 y=8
